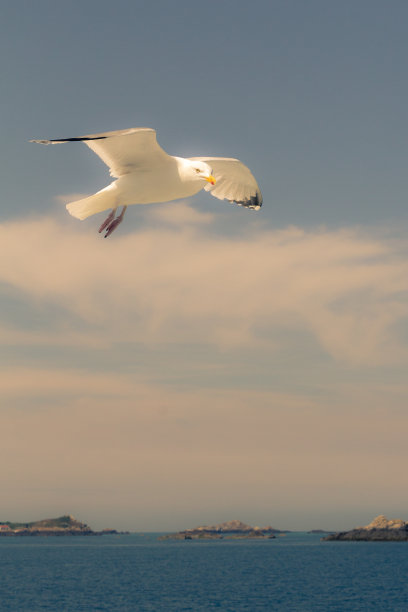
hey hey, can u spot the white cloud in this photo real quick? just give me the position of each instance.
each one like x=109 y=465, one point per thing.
x=346 y=289
x=108 y=439
x=179 y=214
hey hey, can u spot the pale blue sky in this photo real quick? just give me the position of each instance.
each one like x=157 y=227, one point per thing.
x=294 y=317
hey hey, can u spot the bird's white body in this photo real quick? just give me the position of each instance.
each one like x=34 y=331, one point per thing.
x=146 y=174
x=141 y=187
x=174 y=183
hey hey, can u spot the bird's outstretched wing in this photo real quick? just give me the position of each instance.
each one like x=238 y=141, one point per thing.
x=123 y=150
x=234 y=182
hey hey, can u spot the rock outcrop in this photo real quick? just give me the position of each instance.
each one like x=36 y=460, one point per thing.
x=61 y=526
x=380 y=529
x=229 y=529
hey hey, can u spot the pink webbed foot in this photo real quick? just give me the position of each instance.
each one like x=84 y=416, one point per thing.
x=111 y=224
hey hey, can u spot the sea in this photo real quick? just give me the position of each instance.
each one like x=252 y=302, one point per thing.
x=138 y=572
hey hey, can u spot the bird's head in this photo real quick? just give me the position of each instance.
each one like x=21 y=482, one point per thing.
x=202 y=171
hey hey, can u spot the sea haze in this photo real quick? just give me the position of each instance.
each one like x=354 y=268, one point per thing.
x=137 y=572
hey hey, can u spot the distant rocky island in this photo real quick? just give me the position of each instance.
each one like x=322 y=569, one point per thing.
x=380 y=529
x=229 y=529
x=61 y=526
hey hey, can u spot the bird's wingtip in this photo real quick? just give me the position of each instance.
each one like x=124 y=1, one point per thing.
x=45 y=142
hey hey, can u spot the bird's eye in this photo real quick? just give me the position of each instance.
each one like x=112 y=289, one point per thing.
x=197 y=170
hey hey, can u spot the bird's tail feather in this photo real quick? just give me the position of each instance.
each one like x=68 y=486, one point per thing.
x=106 y=198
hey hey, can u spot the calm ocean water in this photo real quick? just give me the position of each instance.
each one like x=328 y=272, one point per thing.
x=138 y=573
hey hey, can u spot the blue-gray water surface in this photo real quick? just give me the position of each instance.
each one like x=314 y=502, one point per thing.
x=139 y=573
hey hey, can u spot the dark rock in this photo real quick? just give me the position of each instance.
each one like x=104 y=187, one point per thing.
x=379 y=530
x=230 y=529
x=62 y=526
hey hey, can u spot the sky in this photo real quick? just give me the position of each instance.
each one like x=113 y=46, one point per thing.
x=206 y=362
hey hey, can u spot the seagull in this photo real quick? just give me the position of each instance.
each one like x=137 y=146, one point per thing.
x=145 y=174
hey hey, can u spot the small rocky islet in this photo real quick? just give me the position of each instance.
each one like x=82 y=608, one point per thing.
x=61 y=526
x=381 y=529
x=230 y=530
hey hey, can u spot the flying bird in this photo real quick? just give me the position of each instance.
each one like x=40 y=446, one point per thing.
x=145 y=174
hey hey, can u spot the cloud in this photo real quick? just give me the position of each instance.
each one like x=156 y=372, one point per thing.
x=179 y=214
x=346 y=289
x=97 y=418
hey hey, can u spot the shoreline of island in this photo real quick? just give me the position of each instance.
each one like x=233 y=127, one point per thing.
x=381 y=529
x=65 y=525
x=228 y=530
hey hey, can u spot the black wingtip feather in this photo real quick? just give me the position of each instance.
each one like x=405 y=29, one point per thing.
x=254 y=202
x=78 y=139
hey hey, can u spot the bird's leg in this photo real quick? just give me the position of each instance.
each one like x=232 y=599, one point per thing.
x=108 y=220
x=113 y=223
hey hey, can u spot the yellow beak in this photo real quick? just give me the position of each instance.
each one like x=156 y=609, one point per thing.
x=210 y=179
